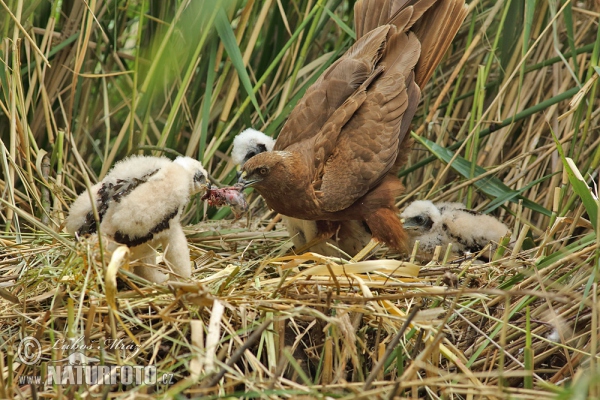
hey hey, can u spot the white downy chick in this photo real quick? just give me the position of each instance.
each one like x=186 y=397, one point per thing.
x=470 y=231
x=249 y=143
x=124 y=177
x=422 y=221
x=139 y=205
x=352 y=235
x=440 y=224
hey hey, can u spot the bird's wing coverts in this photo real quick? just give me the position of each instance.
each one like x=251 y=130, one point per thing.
x=367 y=146
x=337 y=84
x=351 y=122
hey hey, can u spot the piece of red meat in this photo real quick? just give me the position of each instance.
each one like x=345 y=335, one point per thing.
x=231 y=196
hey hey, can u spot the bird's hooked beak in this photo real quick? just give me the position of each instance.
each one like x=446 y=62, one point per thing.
x=242 y=180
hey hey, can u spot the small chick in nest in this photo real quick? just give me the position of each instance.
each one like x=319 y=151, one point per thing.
x=449 y=223
x=139 y=205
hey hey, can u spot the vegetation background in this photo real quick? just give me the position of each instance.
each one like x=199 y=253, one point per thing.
x=508 y=125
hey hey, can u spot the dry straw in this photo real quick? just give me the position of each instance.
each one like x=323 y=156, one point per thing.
x=509 y=124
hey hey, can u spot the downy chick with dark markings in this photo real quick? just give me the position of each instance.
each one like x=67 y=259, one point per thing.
x=139 y=205
x=446 y=223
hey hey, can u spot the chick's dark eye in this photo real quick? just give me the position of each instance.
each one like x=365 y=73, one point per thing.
x=263 y=171
x=199 y=177
x=419 y=220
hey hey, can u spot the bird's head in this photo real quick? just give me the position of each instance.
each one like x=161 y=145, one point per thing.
x=250 y=143
x=199 y=175
x=268 y=170
x=419 y=217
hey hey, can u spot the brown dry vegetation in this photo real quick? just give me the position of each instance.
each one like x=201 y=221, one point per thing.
x=84 y=84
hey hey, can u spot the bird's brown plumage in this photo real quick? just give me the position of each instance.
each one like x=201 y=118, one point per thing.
x=337 y=156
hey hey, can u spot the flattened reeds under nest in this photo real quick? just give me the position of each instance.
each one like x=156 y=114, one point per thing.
x=258 y=321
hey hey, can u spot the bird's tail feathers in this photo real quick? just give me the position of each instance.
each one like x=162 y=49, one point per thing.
x=436 y=30
x=435 y=22
x=369 y=14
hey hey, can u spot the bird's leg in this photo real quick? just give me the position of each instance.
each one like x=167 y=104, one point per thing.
x=150 y=271
x=176 y=251
x=371 y=246
x=386 y=228
x=314 y=241
x=325 y=231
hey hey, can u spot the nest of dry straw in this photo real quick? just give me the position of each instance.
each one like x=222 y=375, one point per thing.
x=510 y=116
x=255 y=320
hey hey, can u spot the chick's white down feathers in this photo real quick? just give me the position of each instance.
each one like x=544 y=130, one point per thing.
x=249 y=143
x=139 y=204
x=446 y=223
x=352 y=236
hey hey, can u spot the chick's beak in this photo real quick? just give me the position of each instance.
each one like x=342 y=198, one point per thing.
x=407 y=224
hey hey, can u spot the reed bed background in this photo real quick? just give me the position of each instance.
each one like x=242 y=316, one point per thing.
x=508 y=125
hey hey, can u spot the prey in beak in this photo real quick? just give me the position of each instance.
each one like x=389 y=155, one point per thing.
x=231 y=196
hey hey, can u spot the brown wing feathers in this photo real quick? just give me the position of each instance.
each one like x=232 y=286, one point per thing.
x=331 y=90
x=435 y=22
x=350 y=128
x=368 y=144
x=366 y=147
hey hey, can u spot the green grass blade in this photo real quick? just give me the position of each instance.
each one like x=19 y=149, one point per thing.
x=580 y=187
x=486 y=132
x=235 y=55
x=568 y=18
x=491 y=186
x=514 y=194
x=207 y=100
x=341 y=23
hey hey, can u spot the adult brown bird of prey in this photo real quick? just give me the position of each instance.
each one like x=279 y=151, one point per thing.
x=337 y=156
x=350 y=237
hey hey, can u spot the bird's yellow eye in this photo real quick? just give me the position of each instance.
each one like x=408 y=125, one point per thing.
x=263 y=171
